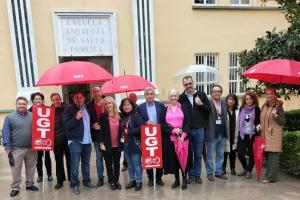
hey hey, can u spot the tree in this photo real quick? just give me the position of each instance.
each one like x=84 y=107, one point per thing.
x=282 y=44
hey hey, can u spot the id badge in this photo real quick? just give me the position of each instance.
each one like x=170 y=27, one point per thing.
x=218 y=121
x=122 y=140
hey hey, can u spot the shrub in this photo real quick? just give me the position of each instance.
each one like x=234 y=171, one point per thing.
x=290 y=157
x=292 y=120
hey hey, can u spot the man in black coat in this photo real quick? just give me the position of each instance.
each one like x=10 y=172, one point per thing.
x=199 y=108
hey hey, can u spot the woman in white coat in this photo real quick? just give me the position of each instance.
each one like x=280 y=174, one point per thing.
x=231 y=142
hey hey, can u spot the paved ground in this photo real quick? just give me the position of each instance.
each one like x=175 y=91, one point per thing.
x=288 y=188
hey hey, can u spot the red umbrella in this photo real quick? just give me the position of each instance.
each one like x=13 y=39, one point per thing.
x=276 y=71
x=125 y=83
x=258 y=154
x=74 y=72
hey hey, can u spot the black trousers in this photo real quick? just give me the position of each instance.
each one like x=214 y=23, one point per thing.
x=232 y=157
x=159 y=173
x=39 y=164
x=112 y=163
x=60 y=151
x=246 y=147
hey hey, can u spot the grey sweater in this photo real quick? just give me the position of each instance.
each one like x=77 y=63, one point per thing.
x=20 y=126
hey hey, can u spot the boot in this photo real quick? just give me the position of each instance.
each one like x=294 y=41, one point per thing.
x=176 y=183
x=233 y=172
x=184 y=183
x=138 y=186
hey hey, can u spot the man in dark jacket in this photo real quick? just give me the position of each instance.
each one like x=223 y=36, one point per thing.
x=77 y=121
x=198 y=106
x=61 y=148
x=151 y=111
x=96 y=107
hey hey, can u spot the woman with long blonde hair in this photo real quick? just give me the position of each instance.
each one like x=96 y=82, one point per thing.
x=110 y=141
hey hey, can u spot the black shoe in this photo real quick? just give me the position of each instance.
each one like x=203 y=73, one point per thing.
x=113 y=186
x=14 y=193
x=50 y=178
x=58 y=186
x=138 y=186
x=39 y=179
x=32 y=188
x=198 y=180
x=131 y=184
x=190 y=180
x=233 y=172
x=100 y=182
x=176 y=183
x=221 y=176
x=184 y=184
x=150 y=183
x=160 y=182
x=118 y=186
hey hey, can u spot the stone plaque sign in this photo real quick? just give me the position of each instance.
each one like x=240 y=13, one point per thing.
x=84 y=35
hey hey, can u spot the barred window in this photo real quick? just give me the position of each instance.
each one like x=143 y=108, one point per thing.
x=205 y=81
x=235 y=82
x=205 y=2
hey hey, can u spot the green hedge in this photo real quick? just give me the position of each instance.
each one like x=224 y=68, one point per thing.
x=290 y=157
x=292 y=120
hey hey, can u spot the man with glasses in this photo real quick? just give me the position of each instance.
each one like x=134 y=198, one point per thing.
x=198 y=106
x=216 y=134
x=150 y=111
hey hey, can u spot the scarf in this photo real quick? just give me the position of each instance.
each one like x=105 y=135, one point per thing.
x=247 y=110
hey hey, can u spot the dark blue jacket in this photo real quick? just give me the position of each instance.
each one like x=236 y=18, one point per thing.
x=74 y=127
x=142 y=110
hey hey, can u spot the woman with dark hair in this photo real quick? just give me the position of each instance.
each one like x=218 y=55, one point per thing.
x=109 y=140
x=37 y=99
x=231 y=142
x=249 y=125
x=130 y=127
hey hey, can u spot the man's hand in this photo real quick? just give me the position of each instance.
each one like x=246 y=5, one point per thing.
x=198 y=101
x=79 y=115
x=150 y=122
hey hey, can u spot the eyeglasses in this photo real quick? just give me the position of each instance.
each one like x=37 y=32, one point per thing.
x=217 y=91
x=149 y=94
x=187 y=84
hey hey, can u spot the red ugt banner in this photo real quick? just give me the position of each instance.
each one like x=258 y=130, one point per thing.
x=151 y=146
x=43 y=120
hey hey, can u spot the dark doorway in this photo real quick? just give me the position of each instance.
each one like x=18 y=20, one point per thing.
x=68 y=90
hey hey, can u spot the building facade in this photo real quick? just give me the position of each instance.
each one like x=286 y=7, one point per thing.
x=151 y=38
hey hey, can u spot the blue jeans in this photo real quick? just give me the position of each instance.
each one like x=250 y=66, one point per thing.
x=133 y=164
x=216 y=146
x=196 y=144
x=80 y=151
x=99 y=161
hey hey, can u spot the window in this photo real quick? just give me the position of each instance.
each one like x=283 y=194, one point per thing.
x=204 y=81
x=240 y=2
x=206 y=2
x=235 y=82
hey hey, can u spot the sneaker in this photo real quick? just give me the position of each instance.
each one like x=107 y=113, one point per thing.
x=39 y=179
x=248 y=175
x=76 y=190
x=221 y=176
x=242 y=173
x=198 y=180
x=210 y=177
x=89 y=185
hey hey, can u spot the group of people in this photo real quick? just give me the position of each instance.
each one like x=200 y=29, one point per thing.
x=205 y=127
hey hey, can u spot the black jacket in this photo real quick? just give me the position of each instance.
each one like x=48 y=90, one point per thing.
x=94 y=118
x=198 y=114
x=60 y=136
x=105 y=135
x=74 y=127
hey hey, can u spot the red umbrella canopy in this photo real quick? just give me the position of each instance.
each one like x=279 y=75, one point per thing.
x=74 y=72
x=276 y=71
x=125 y=83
